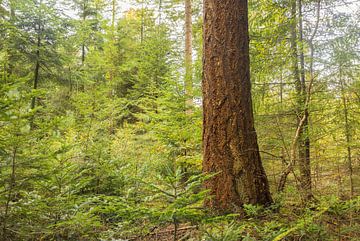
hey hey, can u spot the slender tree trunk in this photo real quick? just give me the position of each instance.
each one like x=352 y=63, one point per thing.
x=36 y=71
x=312 y=76
x=293 y=47
x=188 y=56
x=229 y=138
x=83 y=43
x=112 y=41
x=36 y=74
x=347 y=133
x=302 y=134
x=82 y=53
x=112 y=70
x=304 y=145
x=295 y=74
x=188 y=82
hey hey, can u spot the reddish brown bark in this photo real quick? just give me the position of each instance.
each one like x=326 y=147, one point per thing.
x=229 y=139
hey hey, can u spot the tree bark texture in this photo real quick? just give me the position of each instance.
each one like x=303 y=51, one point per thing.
x=230 y=146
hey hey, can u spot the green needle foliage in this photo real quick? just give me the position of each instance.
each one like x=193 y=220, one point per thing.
x=97 y=142
x=180 y=197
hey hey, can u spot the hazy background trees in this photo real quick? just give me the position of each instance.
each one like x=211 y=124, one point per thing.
x=94 y=125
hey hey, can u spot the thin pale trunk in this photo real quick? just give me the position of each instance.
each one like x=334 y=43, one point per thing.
x=290 y=166
x=112 y=42
x=83 y=43
x=294 y=47
x=295 y=74
x=301 y=139
x=348 y=136
x=112 y=65
x=188 y=84
x=304 y=147
x=312 y=77
x=188 y=57
x=230 y=145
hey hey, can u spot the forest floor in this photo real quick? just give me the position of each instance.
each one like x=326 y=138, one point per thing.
x=166 y=233
x=340 y=221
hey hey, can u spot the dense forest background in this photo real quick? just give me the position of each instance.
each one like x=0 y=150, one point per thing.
x=98 y=140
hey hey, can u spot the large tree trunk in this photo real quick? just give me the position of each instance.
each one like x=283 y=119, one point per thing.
x=188 y=56
x=229 y=139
